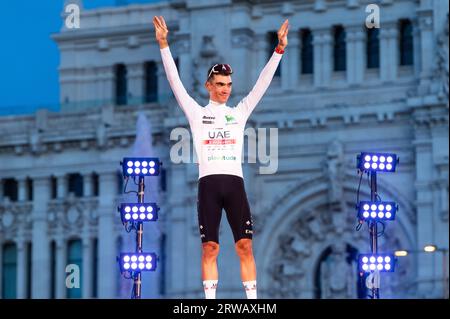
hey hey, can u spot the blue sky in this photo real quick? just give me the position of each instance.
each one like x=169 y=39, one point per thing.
x=29 y=58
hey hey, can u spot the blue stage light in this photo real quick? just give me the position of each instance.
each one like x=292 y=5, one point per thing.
x=143 y=166
x=382 y=162
x=377 y=210
x=380 y=262
x=137 y=262
x=138 y=212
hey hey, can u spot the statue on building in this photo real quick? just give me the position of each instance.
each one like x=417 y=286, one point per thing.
x=35 y=141
x=337 y=277
x=335 y=169
x=442 y=63
x=335 y=172
x=102 y=135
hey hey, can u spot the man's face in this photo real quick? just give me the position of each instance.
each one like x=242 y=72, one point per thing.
x=219 y=88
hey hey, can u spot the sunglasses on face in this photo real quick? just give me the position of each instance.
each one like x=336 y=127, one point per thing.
x=224 y=69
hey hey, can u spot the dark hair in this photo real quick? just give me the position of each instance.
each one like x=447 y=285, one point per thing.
x=222 y=69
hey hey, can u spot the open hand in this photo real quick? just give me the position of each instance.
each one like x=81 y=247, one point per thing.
x=282 y=35
x=161 y=30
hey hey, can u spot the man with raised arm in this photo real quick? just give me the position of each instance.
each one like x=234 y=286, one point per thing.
x=218 y=132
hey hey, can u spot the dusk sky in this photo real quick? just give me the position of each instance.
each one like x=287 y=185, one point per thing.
x=29 y=58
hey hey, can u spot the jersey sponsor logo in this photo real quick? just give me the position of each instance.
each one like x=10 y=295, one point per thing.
x=230 y=120
x=218 y=137
x=208 y=119
x=219 y=134
x=220 y=142
x=221 y=158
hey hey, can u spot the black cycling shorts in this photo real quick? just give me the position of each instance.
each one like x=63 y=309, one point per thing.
x=223 y=191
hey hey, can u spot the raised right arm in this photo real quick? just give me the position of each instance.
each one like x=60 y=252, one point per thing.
x=186 y=102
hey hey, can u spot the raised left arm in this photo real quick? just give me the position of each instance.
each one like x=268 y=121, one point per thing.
x=251 y=100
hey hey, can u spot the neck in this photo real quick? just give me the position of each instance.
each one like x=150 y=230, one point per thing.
x=216 y=102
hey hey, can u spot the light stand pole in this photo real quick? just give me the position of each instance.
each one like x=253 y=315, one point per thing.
x=133 y=216
x=373 y=212
x=374 y=232
x=139 y=238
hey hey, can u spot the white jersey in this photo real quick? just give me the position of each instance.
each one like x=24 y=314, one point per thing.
x=217 y=129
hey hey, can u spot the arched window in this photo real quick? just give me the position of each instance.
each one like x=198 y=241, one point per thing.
x=120 y=71
x=307 y=61
x=373 y=48
x=339 y=50
x=151 y=82
x=406 y=42
x=75 y=256
x=9 y=271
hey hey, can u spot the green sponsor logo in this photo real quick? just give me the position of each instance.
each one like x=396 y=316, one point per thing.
x=229 y=118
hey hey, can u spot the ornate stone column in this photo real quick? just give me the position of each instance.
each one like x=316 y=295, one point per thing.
x=107 y=211
x=108 y=85
x=424 y=197
x=360 y=55
x=184 y=60
x=242 y=42
x=427 y=40
x=105 y=81
x=40 y=252
x=61 y=186
x=351 y=55
x=261 y=47
x=355 y=55
x=388 y=51
x=22 y=185
x=60 y=268
x=322 y=57
x=135 y=78
x=21 y=268
x=88 y=187
x=317 y=43
x=163 y=85
x=327 y=42
x=292 y=62
x=87 y=277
